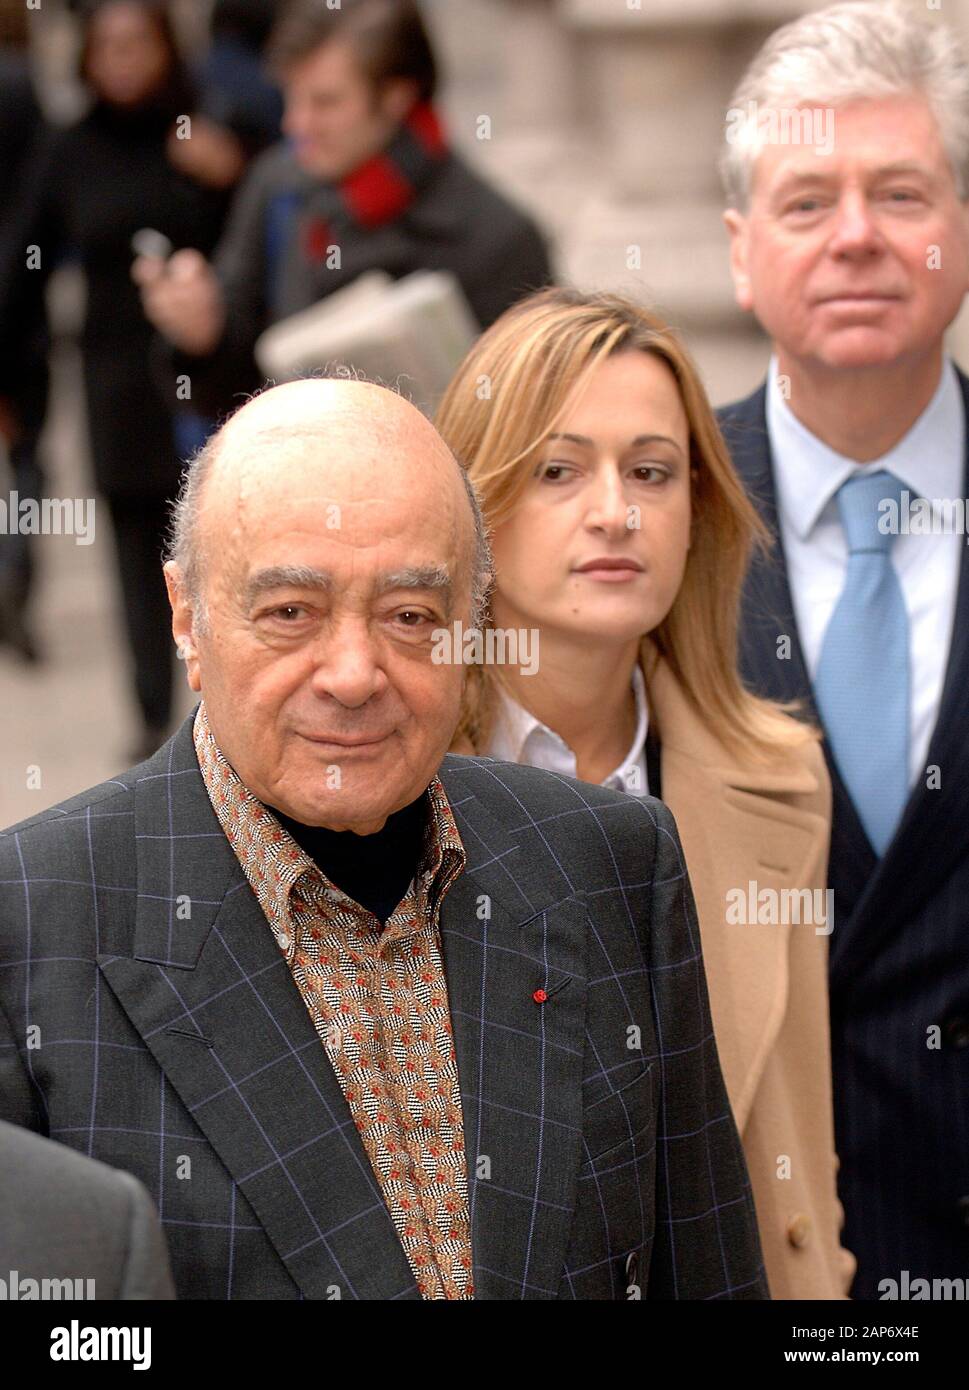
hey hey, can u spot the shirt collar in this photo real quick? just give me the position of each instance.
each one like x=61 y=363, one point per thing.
x=929 y=459
x=272 y=860
x=520 y=737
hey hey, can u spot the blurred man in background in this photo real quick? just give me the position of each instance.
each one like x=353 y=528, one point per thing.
x=854 y=255
x=366 y=181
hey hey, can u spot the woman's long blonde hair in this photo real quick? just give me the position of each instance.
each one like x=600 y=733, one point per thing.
x=506 y=398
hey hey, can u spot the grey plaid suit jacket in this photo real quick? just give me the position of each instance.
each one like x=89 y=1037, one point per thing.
x=148 y=1018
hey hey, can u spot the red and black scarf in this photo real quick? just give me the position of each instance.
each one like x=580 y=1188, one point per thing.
x=383 y=187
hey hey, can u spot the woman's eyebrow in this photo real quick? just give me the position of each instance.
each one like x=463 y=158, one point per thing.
x=636 y=443
x=655 y=439
x=574 y=439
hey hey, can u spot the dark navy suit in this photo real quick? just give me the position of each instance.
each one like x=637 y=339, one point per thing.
x=899 y=952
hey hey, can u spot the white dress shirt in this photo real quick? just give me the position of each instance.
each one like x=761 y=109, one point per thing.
x=521 y=738
x=930 y=461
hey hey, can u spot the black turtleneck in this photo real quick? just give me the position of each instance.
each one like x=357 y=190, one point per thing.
x=375 y=870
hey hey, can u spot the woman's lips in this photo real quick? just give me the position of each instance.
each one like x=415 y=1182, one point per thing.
x=610 y=571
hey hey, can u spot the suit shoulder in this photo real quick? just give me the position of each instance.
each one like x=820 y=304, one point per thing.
x=61 y=1201
x=113 y=797
x=510 y=789
x=502 y=214
x=747 y=411
x=42 y=1167
x=107 y=799
x=273 y=173
x=483 y=775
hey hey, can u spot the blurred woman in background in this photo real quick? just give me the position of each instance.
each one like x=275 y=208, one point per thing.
x=122 y=168
x=24 y=380
x=621 y=535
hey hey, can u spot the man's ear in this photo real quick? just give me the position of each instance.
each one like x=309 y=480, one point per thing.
x=737 y=229
x=398 y=97
x=183 y=625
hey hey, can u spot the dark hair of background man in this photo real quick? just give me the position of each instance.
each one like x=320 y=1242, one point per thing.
x=388 y=37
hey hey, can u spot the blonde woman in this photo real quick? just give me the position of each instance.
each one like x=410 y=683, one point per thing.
x=621 y=536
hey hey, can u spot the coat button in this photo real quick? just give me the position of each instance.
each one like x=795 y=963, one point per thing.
x=956 y=1031
x=799 y=1230
x=632 y=1268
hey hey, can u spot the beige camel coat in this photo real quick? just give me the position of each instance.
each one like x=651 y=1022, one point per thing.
x=768 y=983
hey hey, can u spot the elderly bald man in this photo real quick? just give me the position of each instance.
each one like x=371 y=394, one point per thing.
x=368 y=1021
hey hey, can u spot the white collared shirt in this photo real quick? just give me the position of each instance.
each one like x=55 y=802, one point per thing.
x=930 y=462
x=521 y=738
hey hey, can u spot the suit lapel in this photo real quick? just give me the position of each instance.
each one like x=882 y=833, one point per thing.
x=779 y=665
x=501 y=942
x=212 y=997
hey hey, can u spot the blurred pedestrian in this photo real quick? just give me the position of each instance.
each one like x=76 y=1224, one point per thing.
x=102 y=180
x=23 y=375
x=365 y=181
x=235 y=87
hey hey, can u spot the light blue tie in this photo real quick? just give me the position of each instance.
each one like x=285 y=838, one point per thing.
x=862 y=682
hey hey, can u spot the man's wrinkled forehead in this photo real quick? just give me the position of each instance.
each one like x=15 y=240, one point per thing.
x=319 y=407
x=264 y=465
x=342 y=437
x=349 y=481
x=852 y=142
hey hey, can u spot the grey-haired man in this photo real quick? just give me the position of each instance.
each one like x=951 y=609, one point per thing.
x=847 y=172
